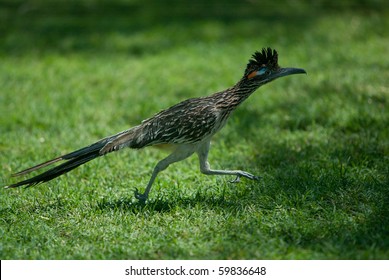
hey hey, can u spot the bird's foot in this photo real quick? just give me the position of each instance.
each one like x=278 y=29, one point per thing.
x=140 y=196
x=246 y=175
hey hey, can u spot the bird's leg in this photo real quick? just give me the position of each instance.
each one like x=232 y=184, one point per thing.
x=181 y=153
x=205 y=168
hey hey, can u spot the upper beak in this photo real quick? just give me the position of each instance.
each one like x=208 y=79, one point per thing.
x=286 y=72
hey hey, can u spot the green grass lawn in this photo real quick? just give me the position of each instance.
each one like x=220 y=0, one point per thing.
x=76 y=71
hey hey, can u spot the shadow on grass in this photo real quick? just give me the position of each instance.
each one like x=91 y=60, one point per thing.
x=168 y=204
x=134 y=28
x=336 y=211
x=142 y=27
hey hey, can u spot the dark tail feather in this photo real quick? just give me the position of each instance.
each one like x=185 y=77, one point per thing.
x=74 y=160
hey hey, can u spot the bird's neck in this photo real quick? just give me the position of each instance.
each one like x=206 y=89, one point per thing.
x=234 y=96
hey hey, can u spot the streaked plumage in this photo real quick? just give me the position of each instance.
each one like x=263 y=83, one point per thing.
x=187 y=126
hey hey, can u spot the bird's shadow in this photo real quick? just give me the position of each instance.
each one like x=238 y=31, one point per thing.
x=162 y=203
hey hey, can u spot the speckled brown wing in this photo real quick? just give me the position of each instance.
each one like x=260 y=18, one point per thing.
x=187 y=122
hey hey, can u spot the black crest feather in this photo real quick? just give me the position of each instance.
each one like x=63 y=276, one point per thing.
x=267 y=56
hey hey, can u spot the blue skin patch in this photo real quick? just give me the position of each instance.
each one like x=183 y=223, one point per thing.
x=261 y=71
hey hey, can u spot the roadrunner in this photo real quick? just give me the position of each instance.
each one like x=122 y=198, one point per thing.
x=187 y=127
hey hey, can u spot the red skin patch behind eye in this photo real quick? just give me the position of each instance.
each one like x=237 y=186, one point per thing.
x=252 y=74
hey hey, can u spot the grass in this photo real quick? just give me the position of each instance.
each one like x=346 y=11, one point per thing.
x=76 y=71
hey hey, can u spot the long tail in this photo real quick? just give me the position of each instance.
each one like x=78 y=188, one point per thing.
x=75 y=159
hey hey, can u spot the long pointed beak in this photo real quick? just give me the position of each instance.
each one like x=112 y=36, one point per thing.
x=282 y=72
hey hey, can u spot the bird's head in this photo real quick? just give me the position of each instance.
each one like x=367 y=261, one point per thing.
x=264 y=68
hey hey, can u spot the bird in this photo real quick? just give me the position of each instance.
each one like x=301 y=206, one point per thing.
x=186 y=128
